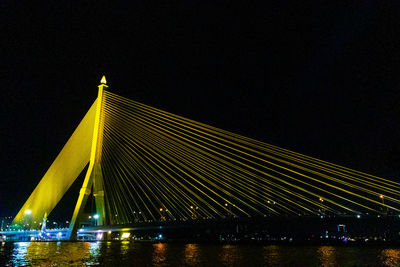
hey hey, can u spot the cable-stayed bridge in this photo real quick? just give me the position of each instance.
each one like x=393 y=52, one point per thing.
x=148 y=165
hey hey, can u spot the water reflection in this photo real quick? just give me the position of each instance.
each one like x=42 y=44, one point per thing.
x=124 y=247
x=19 y=254
x=230 y=255
x=271 y=255
x=327 y=255
x=94 y=249
x=148 y=254
x=48 y=253
x=192 y=254
x=159 y=253
x=94 y=253
x=390 y=257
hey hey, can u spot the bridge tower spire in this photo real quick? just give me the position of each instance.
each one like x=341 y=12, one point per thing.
x=94 y=176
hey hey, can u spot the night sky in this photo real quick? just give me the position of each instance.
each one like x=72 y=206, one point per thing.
x=321 y=78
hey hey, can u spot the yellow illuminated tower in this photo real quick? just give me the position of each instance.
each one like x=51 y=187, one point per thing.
x=94 y=176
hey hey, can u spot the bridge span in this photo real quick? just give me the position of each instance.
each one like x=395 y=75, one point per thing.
x=147 y=165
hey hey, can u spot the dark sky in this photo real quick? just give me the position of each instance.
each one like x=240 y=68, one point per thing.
x=321 y=78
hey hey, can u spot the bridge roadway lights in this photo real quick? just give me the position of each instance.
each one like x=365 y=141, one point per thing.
x=36 y=235
x=54 y=235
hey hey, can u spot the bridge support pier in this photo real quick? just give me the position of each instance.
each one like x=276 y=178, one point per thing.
x=98 y=193
x=80 y=205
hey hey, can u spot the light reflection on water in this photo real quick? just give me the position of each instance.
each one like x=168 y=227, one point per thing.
x=327 y=256
x=159 y=253
x=124 y=247
x=20 y=252
x=271 y=255
x=390 y=257
x=147 y=254
x=47 y=253
x=230 y=255
x=192 y=254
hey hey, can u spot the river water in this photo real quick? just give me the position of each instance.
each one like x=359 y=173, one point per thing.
x=148 y=254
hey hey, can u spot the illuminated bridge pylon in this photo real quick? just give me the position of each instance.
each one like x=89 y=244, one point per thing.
x=148 y=165
x=83 y=147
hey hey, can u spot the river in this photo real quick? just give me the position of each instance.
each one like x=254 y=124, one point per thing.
x=177 y=254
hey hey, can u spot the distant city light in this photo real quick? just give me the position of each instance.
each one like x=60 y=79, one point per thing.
x=358 y=216
x=96 y=216
x=160 y=236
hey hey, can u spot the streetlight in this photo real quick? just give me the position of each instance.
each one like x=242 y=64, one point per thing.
x=382 y=197
x=322 y=208
x=28 y=212
x=96 y=217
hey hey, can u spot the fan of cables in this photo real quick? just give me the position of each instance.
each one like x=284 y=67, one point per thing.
x=160 y=166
